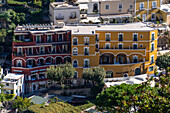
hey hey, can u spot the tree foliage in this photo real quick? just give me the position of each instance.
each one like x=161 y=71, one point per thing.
x=61 y=72
x=137 y=98
x=21 y=104
x=163 y=61
x=96 y=75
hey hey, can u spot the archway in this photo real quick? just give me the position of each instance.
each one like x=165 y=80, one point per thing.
x=67 y=59
x=58 y=60
x=107 y=58
x=95 y=7
x=122 y=59
x=137 y=71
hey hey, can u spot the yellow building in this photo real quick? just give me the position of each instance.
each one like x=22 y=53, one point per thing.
x=148 y=10
x=123 y=50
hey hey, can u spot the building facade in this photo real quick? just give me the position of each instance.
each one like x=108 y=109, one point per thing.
x=13 y=84
x=121 y=51
x=62 y=12
x=35 y=49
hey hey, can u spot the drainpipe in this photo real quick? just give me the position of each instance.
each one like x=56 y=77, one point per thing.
x=135 y=9
x=147 y=10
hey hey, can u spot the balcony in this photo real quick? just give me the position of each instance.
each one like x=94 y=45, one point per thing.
x=23 y=43
x=60 y=18
x=73 y=18
x=141 y=8
x=154 y=7
x=124 y=50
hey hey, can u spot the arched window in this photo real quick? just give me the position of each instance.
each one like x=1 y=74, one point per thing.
x=95 y=7
x=75 y=41
x=125 y=75
x=75 y=63
x=75 y=51
x=109 y=74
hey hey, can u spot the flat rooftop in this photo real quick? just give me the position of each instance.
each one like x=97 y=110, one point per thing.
x=13 y=76
x=90 y=28
x=63 y=5
x=165 y=7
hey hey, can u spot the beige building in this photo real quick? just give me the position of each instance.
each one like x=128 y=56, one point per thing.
x=61 y=12
x=13 y=84
x=165 y=12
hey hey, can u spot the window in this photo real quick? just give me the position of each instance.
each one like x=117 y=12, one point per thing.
x=72 y=15
x=16 y=83
x=21 y=37
x=107 y=7
x=64 y=48
x=7 y=84
x=86 y=40
x=153 y=4
x=141 y=45
x=135 y=59
x=120 y=46
x=41 y=50
x=135 y=37
x=120 y=6
x=75 y=51
x=135 y=46
x=152 y=59
x=153 y=36
x=75 y=41
x=38 y=39
x=120 y=38
x=19 y=51
x=86 y=63
x=153 y=16
x=107 y=36
x=109 y=74
x=86 y=51
x=141 y=6
x=19 y=63
x=12 y=91
x=151 y=68
x=53 y=49
x=141 y=36
x=49 y=38
x=95 y=7
x=60 y=37
x=107 y=45
x=97 y=45
x=152 y=47
x=75 y=63
x=97 y=38
x=131 y=6
x=75 y=74
x=17 y=91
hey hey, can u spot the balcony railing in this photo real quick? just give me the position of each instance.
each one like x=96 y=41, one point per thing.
x=141 y=8
x=154 y=7
x=73 y=17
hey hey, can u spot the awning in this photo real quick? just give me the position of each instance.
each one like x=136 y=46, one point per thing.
x=83 y=6
x=117 y=16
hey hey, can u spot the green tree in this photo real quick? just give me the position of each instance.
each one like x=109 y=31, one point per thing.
x=21 y=104
x=155 y=72
x=137 y=98
x=3 y=34
x=61 y=72
x=96 y=76
x=114 y=97
x=163 y=61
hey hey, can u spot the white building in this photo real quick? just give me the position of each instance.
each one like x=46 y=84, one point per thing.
x=62 y=12
x=13 y=84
